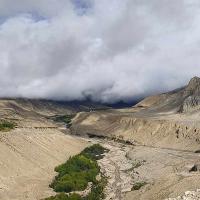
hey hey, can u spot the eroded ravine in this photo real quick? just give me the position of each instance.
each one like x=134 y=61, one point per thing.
x=117 y=168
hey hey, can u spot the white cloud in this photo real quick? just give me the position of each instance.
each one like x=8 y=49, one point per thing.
x=108 y=50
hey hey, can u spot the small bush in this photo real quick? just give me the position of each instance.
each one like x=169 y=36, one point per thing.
x=75 y=174
x=94 y=152
x=65 y=119
x=138 y=163
x=97 y=190
x=6 y=125
x=138 y=185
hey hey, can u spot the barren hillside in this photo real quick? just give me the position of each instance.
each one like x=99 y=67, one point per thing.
x=164 y=132
x=30 y=152
x=170 y=120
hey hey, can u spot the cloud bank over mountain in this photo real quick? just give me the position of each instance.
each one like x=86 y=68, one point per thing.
x=107 y=50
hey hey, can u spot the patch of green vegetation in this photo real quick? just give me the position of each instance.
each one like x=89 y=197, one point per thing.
x=65 y=119
x=97 y=190
x=77 y=172
x=138 y=185
x=63 y=196
x=94 y=152
x=7 y=125
x=95 y=194
x=137 y=164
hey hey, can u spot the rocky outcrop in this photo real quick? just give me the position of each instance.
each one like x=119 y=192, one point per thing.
x=181 y=100
x=195 y=168
x=191 y=96
x=193 y=88
x=191 y=103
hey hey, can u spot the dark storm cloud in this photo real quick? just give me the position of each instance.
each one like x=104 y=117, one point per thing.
x=108 y=50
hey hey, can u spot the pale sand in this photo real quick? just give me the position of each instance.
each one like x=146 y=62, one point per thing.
x=28 y=158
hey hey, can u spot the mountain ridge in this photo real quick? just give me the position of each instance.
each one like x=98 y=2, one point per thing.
x=184 y=99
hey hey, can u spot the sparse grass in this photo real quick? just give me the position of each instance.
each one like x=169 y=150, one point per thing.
x=138 y=185
x=77 y=172
x=6 y=125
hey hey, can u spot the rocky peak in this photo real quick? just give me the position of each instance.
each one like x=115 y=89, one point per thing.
x=193 y=88
x=191 y=96
x=194 y=81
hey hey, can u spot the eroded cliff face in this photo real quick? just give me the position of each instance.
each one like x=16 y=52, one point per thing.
x=151 y=131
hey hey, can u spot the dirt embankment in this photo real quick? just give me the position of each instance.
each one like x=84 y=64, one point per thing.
x=28 y=158
x=149 y=131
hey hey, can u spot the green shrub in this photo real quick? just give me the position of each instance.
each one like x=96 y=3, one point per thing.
x=94 y=152
x=63 y=196
x=6 y=125
x=77 y=172
x=78 y=163
x=138 y=185
x=64 y=118
x=97 y=190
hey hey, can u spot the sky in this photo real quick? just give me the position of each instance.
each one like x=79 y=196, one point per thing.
x=106 y=50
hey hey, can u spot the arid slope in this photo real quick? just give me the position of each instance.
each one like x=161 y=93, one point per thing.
x=27 y=160
x=170 y=120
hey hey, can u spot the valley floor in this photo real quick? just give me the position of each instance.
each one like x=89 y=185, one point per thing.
x=163 y=173
x=28 y=157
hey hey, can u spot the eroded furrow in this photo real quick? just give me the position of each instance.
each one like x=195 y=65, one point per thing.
x=117 y=168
